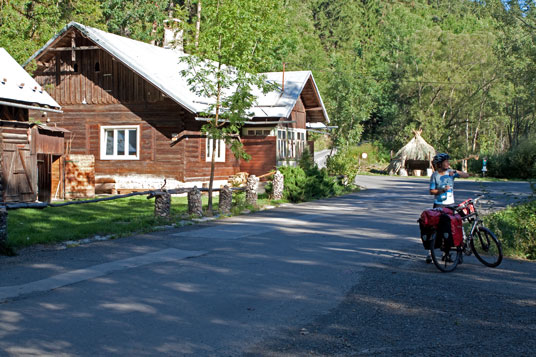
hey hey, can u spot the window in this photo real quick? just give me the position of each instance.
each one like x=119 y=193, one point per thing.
x=258 y=132
x=219 y=150
x=120 y=142
x=290 y=143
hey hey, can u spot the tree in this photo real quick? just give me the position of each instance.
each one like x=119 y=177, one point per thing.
x=28 y=25
x=234 y=38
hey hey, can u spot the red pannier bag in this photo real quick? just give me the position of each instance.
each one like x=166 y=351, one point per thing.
x=430 y=217
x=451 y=229
x=428 y=223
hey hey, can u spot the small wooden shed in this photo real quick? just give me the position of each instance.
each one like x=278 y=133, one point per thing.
x=28 y=150
x=30 y=160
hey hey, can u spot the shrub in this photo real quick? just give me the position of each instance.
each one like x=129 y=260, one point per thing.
x=345 y=162
x=303 y=184
x=518 y=162
x=516 y=228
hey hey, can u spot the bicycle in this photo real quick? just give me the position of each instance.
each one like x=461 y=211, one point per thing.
x=479 y=240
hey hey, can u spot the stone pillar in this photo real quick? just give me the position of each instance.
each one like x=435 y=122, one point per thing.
x=278 y=185
x=195 y=204
x=226 y=200
x=251 y=190
x=162 y=205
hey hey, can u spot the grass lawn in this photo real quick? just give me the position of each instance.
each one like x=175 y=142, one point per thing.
x=115 y=217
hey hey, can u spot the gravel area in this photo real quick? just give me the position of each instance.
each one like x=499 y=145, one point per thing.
x=405 y=307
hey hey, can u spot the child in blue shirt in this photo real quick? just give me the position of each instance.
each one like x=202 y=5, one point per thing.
x=442 y=181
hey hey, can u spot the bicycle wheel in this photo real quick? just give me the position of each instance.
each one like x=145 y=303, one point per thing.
x=486 y=247
x=444 y=258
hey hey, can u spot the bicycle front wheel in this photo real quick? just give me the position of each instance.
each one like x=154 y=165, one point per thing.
x=486 y=247
x=445 y=259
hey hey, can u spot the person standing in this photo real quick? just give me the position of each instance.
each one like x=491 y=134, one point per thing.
x=442 y=181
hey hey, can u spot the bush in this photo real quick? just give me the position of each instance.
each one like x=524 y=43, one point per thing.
x=516 y=229
x=303 y=184
x=345 y=162
x=518 y=162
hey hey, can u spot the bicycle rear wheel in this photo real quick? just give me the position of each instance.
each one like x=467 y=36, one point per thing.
x=486 y=247
x=444 y=258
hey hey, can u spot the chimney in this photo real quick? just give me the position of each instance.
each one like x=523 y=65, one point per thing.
x=173 y=35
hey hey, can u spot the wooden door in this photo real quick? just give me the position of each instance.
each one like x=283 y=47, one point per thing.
x=44 y=177
x=19 y=168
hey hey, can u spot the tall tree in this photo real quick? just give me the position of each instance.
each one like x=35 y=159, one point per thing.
x=234 y=40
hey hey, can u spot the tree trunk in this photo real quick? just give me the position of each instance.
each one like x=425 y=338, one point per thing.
x=211 y=182
x=212 y=161
x=198 y=24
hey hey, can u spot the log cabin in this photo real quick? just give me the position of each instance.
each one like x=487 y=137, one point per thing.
x=126 y=103
x=30 y=150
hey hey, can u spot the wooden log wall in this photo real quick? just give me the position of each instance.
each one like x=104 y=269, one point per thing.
x=95 y=90
x=263 y=154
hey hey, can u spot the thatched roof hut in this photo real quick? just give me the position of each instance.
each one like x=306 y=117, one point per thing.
x=415 y=155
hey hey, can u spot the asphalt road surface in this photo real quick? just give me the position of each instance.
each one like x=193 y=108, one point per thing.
x=341 y=276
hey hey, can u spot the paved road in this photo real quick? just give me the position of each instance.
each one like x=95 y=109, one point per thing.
x=321 y=156
x=342 y=276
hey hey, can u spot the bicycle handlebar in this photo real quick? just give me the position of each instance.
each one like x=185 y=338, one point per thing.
x=467 y=202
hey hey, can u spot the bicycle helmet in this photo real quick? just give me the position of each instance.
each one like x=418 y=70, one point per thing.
x=439 y=158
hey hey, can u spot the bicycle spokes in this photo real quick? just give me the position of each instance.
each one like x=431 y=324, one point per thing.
x=486 y=247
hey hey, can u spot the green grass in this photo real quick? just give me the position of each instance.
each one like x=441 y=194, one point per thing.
x=516 y=229
x=116 y=217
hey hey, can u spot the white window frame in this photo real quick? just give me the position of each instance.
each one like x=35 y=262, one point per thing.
x=289 y=145
x=220 y=145
x=114 y=156
x=246 y=131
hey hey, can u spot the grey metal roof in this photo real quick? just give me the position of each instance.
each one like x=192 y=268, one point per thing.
x=274 y=104
x=17 y=86
x=162 y=68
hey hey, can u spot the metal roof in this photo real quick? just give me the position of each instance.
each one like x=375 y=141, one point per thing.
x=17 y=86
x=276 y=104
x=162 y=68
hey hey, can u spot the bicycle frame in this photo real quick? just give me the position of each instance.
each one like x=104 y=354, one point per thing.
x=472 y=218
